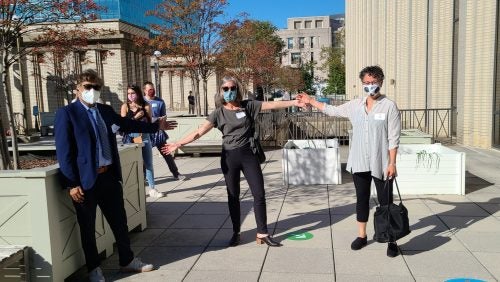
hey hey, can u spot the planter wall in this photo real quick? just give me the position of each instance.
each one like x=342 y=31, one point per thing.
x=208 y=143
x=35 y=211
x=444 y=174
x=311 y=162
x=414 y=136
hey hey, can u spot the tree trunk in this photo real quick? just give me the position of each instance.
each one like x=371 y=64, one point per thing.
x=10 y=115
x=4 y=150
x=196 y=81
x=205 y=95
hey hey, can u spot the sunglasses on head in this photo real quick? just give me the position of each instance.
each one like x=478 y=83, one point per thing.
x=225 y=88
x=90 y=86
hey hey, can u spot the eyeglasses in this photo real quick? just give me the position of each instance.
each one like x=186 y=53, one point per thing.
x=225 y=88
x=94 y=86
x=370 y=82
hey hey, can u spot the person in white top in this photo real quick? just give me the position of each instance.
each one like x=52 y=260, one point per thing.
x=376 y=125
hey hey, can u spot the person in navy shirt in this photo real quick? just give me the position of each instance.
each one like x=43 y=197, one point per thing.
x=159 y=139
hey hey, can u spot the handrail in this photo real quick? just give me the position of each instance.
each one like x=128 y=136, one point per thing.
x=276 y=127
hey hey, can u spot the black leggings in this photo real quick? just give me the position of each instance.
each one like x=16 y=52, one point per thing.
x=362 y=182
x=169 y=159
x=232 y=162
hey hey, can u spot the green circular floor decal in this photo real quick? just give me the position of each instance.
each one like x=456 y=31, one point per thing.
x=296 y=236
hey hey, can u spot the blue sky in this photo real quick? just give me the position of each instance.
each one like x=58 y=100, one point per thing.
x=277 y=11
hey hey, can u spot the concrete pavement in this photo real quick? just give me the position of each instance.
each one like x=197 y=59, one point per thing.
x=452 y=236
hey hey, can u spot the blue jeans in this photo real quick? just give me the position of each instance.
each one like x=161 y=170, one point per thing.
x=147 y=156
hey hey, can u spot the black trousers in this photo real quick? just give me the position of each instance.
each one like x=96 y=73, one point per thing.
x=169 y=159
x=107 y=193
x=362 y=182
x=232 y=162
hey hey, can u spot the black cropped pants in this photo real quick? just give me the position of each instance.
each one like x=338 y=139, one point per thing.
x=362 y=182
x=243 y=160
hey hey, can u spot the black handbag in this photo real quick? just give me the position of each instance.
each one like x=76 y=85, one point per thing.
x=391 y=221
x=257 y=149
x=255 y=142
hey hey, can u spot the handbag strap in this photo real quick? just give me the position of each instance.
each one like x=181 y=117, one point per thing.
x=388 y=192
x=252 y=123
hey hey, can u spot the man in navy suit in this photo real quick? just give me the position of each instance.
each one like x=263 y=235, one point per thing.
x=90 y=168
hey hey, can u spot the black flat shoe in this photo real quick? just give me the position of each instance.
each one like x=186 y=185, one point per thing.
x=269 y=241
x=358 y=243
x=392 y=249
x=235 y=240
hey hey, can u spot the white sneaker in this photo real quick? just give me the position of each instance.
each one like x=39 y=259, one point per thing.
x=96 y=275
x=180 y=177
x=136 y=265
x=155 y=193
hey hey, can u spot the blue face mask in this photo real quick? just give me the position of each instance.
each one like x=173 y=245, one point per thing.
x=229 y=95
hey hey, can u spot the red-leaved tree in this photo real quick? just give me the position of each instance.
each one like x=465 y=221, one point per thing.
x=189 y=33
x=251 y=52
x=49 y=23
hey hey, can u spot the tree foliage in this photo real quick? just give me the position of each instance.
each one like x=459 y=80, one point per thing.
x=190 y=31
x=307 y=71
x=335 y=64
x=290 y=79
x=48 y=23
x=251 y=52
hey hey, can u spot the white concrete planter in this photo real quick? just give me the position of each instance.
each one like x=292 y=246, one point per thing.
x=311 y=162
x=418 y=174
x=208 y=143
x=35 y=211
x=414 y=136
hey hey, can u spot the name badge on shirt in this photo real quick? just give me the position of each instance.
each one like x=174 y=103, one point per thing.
x=379 y=116
x=240 y=115
x=154 y=105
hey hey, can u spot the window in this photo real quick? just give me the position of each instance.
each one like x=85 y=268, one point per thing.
x=296 y=25
x=290 y=42
x=312 y=56
x=301 y=42
x=311 y=41
x=296 y=59
x=319 y=23
x=308 y=24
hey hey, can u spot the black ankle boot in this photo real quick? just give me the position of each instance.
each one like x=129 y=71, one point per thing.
x=358 y=243
x=392 y=249
x=269 y=241
x=235 y=240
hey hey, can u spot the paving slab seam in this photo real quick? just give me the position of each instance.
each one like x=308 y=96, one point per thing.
x=331 y=231
x=474 y=256
x=274 y=231
x=453 y=232
x=220 y=228
x=203 y=251
x=485 y=210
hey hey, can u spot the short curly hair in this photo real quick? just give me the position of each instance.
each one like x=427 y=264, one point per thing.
x=374 y=71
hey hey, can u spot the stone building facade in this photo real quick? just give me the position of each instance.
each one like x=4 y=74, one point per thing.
x=435 y=54
x=304 y=39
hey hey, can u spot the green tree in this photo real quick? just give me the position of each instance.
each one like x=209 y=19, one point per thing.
x=307 y=71
x=335 y=65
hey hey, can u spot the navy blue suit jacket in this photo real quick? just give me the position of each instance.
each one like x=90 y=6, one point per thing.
x=76 y=142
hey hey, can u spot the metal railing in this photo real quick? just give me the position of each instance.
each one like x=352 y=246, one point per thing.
x=276 y=127
x=436 y=122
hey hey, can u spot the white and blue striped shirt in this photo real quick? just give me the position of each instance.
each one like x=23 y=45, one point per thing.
x=374 y=133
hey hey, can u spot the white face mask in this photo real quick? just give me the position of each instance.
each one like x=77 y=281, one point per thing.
x=91 y=96
x=371 y=89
